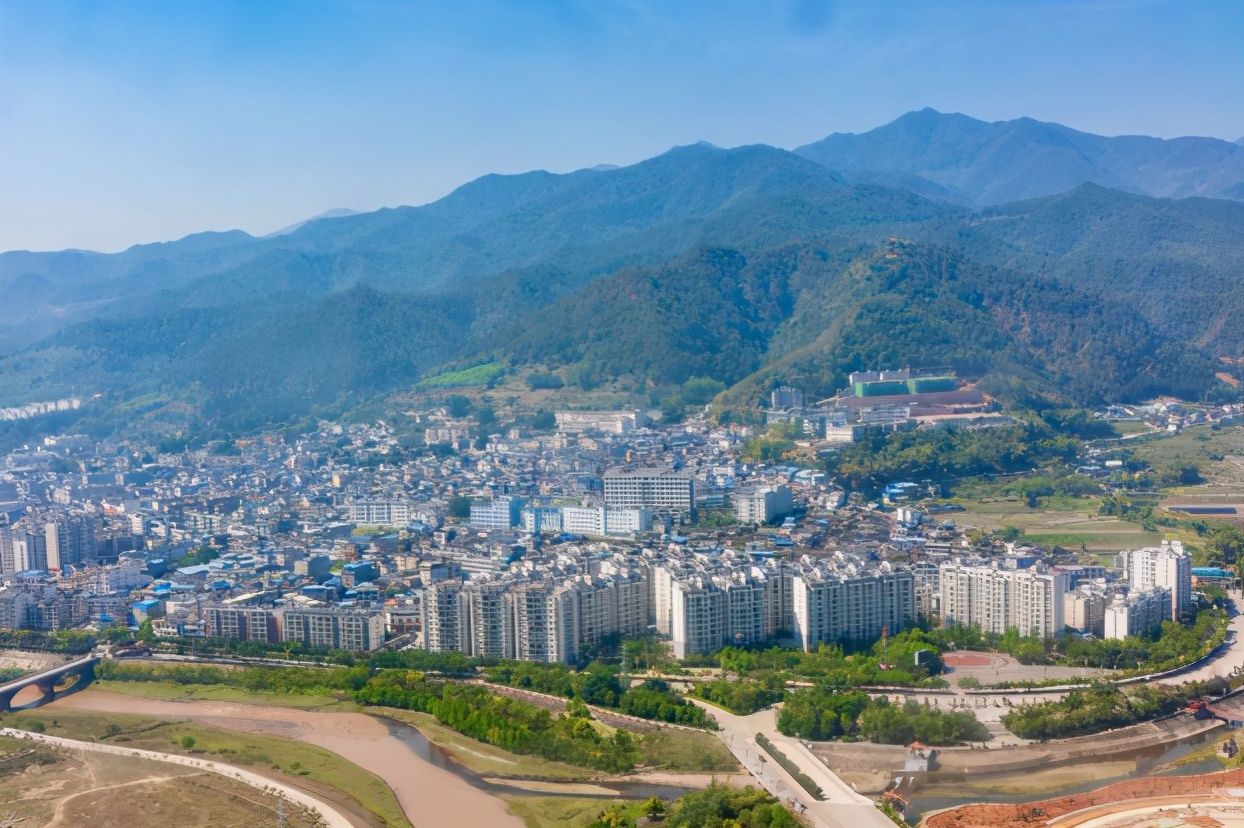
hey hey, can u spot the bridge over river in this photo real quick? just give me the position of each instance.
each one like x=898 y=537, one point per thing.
x=53 y=683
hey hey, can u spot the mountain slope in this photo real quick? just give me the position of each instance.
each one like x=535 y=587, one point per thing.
x=803 y=312
x=984 y=163
x=1180 y=264
x=585 y=223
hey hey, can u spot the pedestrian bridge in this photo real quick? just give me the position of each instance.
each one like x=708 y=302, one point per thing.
x=52 y=684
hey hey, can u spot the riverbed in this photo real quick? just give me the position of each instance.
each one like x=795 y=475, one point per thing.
x=951 y=790
x=430 y=786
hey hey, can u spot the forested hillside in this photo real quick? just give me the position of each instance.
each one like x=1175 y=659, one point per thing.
x=743 y=268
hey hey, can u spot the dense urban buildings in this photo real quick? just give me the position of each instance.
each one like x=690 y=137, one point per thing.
x=525 y=544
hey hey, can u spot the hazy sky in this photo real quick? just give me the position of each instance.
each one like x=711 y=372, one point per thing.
x=131 y=121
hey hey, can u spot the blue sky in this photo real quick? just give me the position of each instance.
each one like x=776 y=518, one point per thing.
x=131 y=121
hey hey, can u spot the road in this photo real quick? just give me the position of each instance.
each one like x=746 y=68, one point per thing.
x=842 y=806
x=331 y=817
x=1230 y=660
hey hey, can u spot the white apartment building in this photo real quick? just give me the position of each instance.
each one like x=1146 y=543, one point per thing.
x=1168 y=566
x=359 y=630
x=380 y=512
x=650 y=488
x=833 y=608
x=698 y=611
x=662 y=579
x=763 y=505
x=1140 y=612
x=241 y=623
x=446 y=618
x=487 y=606
x=1002 y=599
x=546 y=622
x=604 y=422
x=1085 y=611
x=499 y=513
x=542 y=519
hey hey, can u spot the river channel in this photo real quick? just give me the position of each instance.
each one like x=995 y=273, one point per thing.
x=1013 y=787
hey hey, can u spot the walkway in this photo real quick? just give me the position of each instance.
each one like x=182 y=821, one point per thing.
x=842 y=806
x=331 y=817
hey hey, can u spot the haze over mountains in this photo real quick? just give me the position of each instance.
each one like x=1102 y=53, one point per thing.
x=980 y=163
x=1032 y=256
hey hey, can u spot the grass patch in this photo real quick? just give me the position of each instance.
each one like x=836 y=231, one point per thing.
x=172 y=691
x=1126 y=427
x=685 y=751
x=790 y=767
x=1218 y=453
x=475 y=375
x=555 y=811
x=272 y=752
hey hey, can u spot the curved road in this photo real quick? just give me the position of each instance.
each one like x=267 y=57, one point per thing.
x=331 y=816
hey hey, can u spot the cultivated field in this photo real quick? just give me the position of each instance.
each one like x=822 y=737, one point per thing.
x=1073 y=524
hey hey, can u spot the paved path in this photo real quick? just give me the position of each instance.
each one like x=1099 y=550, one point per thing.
x=331 y=816
x=1227 y=662
x=842 y=806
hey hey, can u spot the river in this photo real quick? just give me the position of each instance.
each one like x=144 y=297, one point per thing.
x=431 y=787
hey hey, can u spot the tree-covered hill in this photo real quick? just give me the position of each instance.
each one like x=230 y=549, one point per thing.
x=741 y=267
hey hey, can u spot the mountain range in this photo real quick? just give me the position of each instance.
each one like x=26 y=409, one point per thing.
x=977 y=163
x=1045 y=262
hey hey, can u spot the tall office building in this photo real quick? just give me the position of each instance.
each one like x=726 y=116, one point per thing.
x=1168 y=566
x=998 y=600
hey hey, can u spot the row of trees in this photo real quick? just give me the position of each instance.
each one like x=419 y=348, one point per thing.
x=888 y=662
x=826 y=713
x=1175 y=644
x=942 y=454
x=469 y=709
x=741 y=696
x=507 y=723
x=286 y=680
x=1100 y=707
x=600 y=685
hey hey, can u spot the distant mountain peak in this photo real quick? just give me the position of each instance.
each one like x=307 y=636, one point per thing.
x=991 y=163
x=336 y=212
